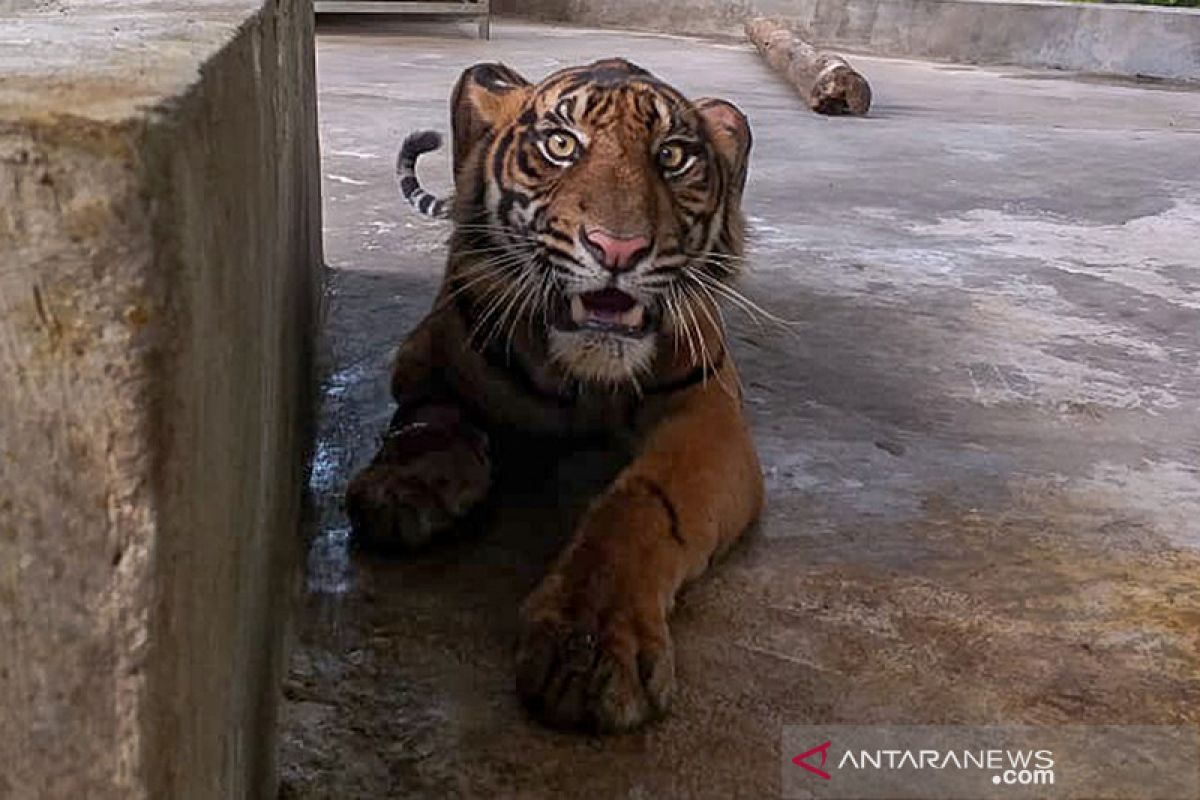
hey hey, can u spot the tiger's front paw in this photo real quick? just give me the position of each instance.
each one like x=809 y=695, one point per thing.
x=430 y=471
x=587 y=658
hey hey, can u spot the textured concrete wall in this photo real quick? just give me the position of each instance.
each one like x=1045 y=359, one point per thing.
x=160 y=241
x=1119 y=40
x=1091 y=37
x=696 y=17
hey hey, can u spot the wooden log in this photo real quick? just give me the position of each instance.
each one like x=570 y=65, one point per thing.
x=826 y=81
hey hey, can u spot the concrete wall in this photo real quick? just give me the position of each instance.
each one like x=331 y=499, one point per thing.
x=696 y=17
x=1091 y=37
x=160 y=241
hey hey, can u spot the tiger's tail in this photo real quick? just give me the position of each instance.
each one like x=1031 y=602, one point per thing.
x=416 y=145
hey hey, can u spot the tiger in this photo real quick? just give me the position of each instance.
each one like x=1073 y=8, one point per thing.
x=596 y=231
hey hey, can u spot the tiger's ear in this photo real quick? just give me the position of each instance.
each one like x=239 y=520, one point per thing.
x=487 y=97
x=730 y=133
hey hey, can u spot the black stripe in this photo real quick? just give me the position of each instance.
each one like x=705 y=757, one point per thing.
x=528 y=165
x=602 y=107
x=553 y=249
x=556 y=234
x=419 y=142
x=668 y=269
x=575 y=82
x=408 y=185
x=541 y=192
x=592 y=99
x=478 y=207
x=427 y=203
x=499 y=154
x=565 y=110
x=659 y=493
x=538 y=221
x=557 y=258
x=508 y=200
x=497 y=77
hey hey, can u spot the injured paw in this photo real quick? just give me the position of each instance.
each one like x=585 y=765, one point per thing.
x=432 y=468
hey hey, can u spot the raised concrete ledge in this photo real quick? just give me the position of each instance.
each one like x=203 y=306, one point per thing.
x=1123 y=40
x=160 y=241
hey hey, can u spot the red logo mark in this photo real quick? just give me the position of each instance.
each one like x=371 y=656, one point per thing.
x=823 y=749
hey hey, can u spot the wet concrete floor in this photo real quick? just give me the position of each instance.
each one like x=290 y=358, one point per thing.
x=980 y=436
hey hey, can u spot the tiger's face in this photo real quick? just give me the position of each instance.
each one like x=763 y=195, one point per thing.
x=607 y=204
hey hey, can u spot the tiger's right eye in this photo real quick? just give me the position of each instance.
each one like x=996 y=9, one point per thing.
x=561 y=146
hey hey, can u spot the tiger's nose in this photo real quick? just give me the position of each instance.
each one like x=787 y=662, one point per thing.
x=616 y=253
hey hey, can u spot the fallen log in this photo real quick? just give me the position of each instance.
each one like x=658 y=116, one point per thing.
x=826 y=81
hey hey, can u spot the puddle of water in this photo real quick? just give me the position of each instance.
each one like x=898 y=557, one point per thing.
x=330 y=568
x=330 y=571
x=325 y=463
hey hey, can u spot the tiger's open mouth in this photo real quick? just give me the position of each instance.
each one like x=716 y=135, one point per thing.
x=609 y=311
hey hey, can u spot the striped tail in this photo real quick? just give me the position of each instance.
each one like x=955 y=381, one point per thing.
x=416 y=145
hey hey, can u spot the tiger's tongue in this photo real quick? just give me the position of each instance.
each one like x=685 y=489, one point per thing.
x=607 y=306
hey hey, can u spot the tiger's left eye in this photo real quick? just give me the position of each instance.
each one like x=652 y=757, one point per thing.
x=671 y=157
x=561 y=146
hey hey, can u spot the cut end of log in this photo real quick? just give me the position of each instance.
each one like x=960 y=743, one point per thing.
x=826 y=81
x=840 y=90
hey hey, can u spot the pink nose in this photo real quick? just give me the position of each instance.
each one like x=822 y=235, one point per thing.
x=616 y=253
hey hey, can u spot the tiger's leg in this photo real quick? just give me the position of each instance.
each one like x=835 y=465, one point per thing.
x=594 y=649
x=432 y=466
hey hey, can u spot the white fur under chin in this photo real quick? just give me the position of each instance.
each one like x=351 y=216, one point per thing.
x=601 y=357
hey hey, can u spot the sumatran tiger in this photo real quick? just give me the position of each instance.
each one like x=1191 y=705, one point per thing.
x=597 y=222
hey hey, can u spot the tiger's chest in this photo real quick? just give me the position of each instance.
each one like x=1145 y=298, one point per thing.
x=513 y=391
x=519 y=387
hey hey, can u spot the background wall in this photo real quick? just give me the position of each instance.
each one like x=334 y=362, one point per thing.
x=1124 y=40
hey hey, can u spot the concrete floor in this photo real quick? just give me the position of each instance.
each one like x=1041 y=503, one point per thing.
x=980 y=437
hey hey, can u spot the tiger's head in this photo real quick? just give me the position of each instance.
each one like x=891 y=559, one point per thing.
x=601 y=208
